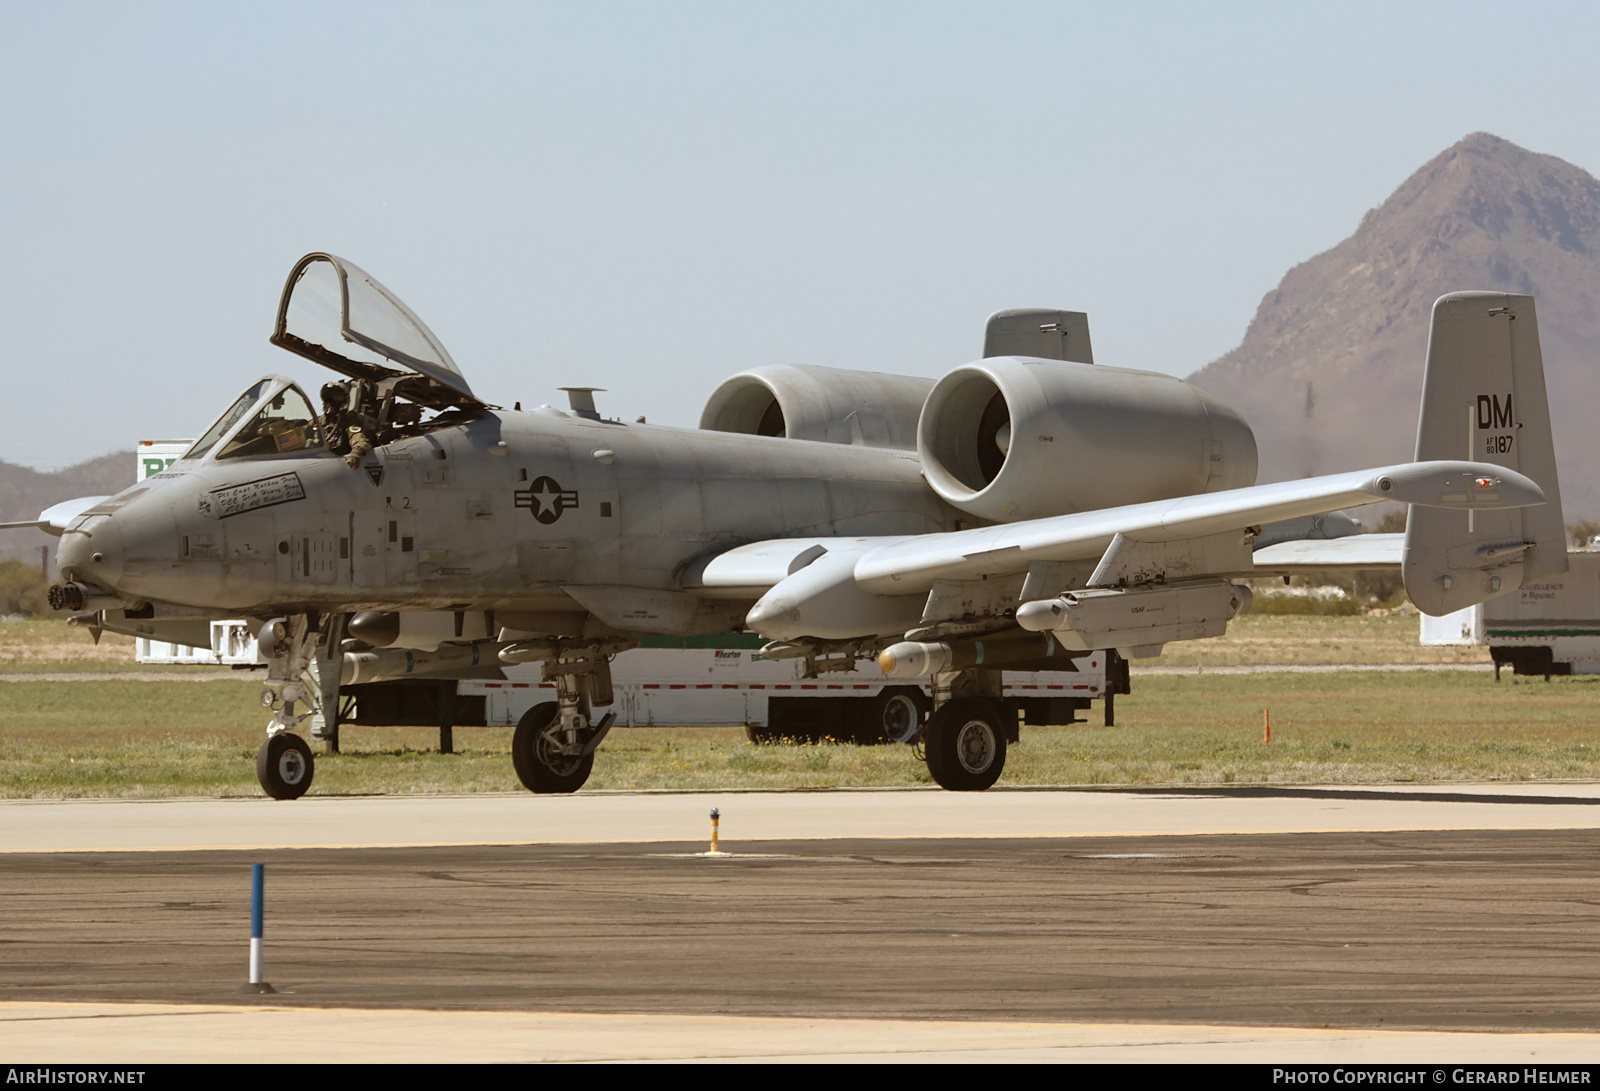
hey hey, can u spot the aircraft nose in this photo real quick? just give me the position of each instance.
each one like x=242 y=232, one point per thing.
x=93 y=553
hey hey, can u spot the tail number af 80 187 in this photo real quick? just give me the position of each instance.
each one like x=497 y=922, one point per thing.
x=1494 y=415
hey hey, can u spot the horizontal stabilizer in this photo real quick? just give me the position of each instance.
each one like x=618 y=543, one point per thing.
x=1355 y=551
x=56 y=518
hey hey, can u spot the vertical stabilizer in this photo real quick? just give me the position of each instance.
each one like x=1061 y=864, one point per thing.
x=1483 y=399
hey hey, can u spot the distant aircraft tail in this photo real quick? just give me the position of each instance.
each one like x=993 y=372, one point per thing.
x=1483 y=399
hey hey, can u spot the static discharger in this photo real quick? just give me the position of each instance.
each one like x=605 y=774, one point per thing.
x=716 y=817
x=1266 y=725
x=258 y=882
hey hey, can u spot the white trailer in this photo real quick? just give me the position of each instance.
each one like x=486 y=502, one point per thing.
x=725 y=681
x=1549 y=627
x=232 y=645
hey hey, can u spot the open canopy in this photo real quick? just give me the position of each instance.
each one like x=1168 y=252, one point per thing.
x=336 y=314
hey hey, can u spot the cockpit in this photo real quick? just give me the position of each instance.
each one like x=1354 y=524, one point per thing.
x=274 y=418
x=399 y=381
x=270 y=418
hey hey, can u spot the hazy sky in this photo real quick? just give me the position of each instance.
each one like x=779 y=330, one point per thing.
x=649 y=197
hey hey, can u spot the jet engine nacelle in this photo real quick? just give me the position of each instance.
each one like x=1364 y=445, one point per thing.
x=1013 y=438
x=827 y=404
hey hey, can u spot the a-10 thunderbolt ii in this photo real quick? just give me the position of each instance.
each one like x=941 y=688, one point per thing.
x=1018 y=512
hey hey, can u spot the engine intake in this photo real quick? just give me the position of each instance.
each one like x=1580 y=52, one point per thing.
x=1014 y=438
x=827 y=404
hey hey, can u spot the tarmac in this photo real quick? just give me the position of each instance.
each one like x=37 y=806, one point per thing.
x=1430 y=924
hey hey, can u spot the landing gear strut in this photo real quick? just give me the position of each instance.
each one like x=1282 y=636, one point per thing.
x=284 y=764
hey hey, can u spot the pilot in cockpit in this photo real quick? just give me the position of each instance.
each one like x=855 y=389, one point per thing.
x=350 y=430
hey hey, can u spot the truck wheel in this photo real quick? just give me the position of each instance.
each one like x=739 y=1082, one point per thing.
x=896 y=715
x=540 y=767
x=965 y=744
x=284 y=766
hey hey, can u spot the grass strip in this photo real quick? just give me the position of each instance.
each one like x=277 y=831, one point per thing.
x=155 y=739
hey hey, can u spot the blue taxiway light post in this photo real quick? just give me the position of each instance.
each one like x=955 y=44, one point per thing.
x=258 y=882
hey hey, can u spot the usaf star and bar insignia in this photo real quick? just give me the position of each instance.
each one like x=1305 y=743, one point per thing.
x=546 y=499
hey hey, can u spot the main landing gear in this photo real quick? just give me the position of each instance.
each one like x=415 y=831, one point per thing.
x=965 y=744
x=964 y=740
x=553 y=748
x=544 y=759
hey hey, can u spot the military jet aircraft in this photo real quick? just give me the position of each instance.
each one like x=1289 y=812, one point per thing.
x=1018 y=512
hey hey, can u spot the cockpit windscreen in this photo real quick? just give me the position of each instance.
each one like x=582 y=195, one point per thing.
x=225 y=423
x=286 y=423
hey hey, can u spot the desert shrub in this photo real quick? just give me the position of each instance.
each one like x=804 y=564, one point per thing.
x=1285 y=602
x=22 y=588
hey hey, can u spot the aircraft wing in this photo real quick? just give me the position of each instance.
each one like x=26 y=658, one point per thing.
x=1354 y=551
x=55 y=519
x=836 y=587
x=913 y=564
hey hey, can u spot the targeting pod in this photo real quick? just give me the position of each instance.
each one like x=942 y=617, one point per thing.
x=1138 y=618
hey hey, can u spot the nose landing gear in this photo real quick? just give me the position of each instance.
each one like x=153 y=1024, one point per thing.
x=284 y=764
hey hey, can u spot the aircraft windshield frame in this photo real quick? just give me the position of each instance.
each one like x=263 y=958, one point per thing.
x=356 y=326
x=228 y=420
x=221 y=440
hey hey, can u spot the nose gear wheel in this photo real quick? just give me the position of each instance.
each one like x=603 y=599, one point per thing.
x=284 y=766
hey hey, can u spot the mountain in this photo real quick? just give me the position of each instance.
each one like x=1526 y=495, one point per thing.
x=1329 y=373
x=24 y=493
